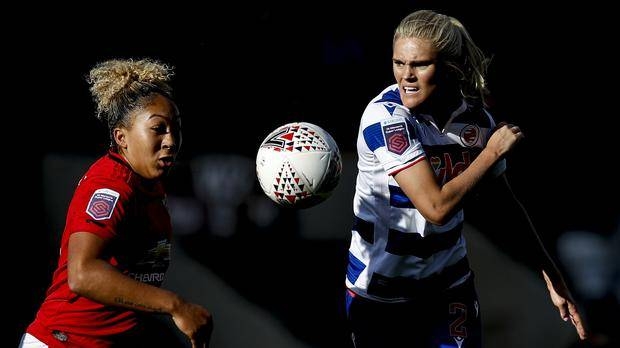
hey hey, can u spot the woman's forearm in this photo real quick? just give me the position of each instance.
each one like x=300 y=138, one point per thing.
x=98 y=280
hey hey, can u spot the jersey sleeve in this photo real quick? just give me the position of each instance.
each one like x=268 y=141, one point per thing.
x=98 y=206
x=389 y=133
x=500 y=167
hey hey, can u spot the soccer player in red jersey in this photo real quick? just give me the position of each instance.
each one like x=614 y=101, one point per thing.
x=115 y=247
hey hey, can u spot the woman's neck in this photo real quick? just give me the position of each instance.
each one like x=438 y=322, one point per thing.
x=441 y=108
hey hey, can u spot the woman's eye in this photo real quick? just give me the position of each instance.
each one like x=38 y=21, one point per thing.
x=159 y=128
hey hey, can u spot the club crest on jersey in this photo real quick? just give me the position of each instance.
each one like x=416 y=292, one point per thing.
x=102 y=203
x=470 y=135
x=396 y=136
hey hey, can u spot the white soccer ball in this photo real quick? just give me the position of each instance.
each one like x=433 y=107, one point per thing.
x=298 y=165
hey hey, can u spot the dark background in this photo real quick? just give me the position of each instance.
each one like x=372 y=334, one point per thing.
x=242 y=70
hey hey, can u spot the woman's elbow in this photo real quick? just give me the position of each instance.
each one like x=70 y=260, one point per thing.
x=76 y=279
x=436 y=216
x=437 y=221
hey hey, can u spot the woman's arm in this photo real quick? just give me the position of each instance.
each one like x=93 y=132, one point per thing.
x=558 y=290
x=437 y=203
x=94 y=278
x=496 y=208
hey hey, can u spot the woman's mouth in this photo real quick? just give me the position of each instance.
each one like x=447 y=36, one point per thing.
x=166 y=162
x=410 y=90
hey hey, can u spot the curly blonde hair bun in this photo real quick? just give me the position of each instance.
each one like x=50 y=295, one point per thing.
x=118 y=86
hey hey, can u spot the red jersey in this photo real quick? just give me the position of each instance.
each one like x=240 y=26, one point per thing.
x=118 y=205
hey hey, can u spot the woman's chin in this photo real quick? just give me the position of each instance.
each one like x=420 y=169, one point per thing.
x=411 y=102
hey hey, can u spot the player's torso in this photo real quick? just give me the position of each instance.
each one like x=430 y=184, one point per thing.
x=141 y=246
x=142 y=249
x=134 y=221
x=391 y=239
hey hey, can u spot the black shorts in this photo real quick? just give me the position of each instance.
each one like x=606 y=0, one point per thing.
x=443 y=319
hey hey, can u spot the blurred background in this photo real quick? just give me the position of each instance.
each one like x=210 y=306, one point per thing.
x=274 y=277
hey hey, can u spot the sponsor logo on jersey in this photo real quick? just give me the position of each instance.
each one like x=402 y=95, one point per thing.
x=449 y=168
x=102 y=203
x=157 y=256
x=396 y=137
x=151 y=278
x=153 y=264
x=470 y=135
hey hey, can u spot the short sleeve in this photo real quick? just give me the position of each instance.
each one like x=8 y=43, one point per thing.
x=98 y=206
x=389 y=132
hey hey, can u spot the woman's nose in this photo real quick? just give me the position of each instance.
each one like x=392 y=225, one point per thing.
x=410 y=72
x=170 y=142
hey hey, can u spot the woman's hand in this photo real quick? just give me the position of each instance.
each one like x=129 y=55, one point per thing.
x=504 y=138
x=563 y=300
x=195 y=322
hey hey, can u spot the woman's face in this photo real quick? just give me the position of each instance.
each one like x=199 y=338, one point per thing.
x=151 y=143
x=414 y=62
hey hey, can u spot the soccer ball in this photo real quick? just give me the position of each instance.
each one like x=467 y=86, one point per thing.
x=298 y=165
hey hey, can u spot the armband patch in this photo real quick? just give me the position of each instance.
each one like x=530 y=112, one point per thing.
x=102 y=203
x=396 y=137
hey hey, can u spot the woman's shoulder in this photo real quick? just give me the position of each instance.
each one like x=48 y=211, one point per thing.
x=477 y=114
x=109 y=172
x=386 y=105
x=389 y=94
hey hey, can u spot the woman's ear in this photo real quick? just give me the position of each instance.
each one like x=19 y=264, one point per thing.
x=119 y=137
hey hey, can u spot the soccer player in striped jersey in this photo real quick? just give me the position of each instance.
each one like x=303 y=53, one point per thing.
x=424 y=143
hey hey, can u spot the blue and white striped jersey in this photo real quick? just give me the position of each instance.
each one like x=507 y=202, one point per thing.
x=395 y=254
